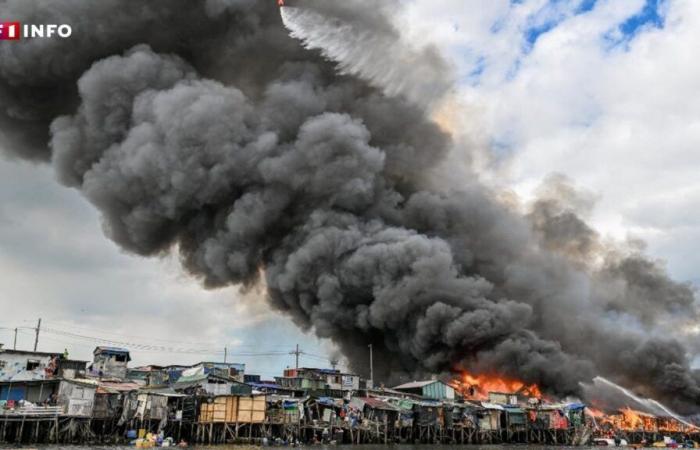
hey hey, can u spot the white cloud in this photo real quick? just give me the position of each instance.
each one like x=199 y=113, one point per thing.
x=621 y=119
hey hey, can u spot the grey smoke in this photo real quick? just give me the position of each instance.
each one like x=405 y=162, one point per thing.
x=231 y=144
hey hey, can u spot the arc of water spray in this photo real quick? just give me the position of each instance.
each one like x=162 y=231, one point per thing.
x=643 y=401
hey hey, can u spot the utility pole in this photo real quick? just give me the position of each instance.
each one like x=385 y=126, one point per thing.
x=371 y=365
x=225 y=354
x=296 y=352
x=14 y=346
x=36 y=337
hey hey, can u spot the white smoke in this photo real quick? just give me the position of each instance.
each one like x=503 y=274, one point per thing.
x=378 y=56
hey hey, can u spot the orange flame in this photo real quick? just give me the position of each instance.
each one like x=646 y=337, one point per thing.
x=478 y=387
x=595 y=412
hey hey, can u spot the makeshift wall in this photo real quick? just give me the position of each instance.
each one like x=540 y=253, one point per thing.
x=490 y=420
x=76 y=399
x=558 y=420
x=13 y=392
x=32 y=392
x=152 y=407
x=110 y=364
x=425 y=415
x=283 y=411
x=217 y=387
x=230 y=409
x=26 y=366
x=106 y=406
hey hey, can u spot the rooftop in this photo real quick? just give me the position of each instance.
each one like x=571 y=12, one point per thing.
x=103 y=349
x=417 y=384
x=27 y=352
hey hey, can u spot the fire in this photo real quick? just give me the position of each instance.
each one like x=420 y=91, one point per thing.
x=595 y=412
x=632 y=420
x=479 y=386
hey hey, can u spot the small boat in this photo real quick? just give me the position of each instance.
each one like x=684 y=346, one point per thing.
x=609 y=442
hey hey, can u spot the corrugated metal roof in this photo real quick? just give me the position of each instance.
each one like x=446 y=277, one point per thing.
x=26 y=352
x=416 y=384
x=376 y=403
x=103 y=349
x=514 y=410
x=266 y=385
x=166 y=392
x=112 y=387
x=488 y=405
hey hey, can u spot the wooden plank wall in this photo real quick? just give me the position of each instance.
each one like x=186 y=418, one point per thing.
x=234 y=409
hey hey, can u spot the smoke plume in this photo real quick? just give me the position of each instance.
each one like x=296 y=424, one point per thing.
x=203 y=128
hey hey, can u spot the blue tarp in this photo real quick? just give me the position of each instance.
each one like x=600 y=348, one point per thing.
x=575 y=406
x=265 y=385
x=12 y=393
x=327 y=401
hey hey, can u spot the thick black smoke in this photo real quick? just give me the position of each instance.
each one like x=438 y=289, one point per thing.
x=203 y=128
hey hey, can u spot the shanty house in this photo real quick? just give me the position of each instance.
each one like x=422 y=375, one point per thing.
x=234 y=371
x=234 y=409
x=303 y=379
x=550 y=417
x=465 y=415
x=153 y=404
x=19 y=365
x=250 y=378
x=109 y=398
x=269 y=387
x=339 y=381
x=433 y=389
x=503 y=398
x=491 y=417
x=110 y=362
x=377 y=410
x=515 y=418
x=76 y=397
x=195 y=381
x=149 y=375
x=34 y=391
x=283 y=410
x=323 y=409
x=427 y=413
x=314 y=379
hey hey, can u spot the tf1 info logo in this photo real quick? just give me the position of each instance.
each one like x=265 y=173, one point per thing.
x=14 y=31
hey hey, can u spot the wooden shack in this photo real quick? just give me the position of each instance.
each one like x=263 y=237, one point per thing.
x=151 y=407
x=109 y=398
x=490 y=417
x=283 y=410
x=234 y=409
x=76 y=397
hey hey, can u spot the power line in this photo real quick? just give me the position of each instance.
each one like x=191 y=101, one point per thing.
x=158 y=348
x=71 y=338
x=135 y=338
x=169 y=341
